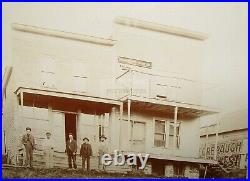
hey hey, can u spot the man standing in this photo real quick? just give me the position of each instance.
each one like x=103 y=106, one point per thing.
x=29 y=143
x=103 y=149
x=71 y=149
x=48 y=148
x=85 y=153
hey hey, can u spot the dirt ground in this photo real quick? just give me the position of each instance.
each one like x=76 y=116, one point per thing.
x=63 y=173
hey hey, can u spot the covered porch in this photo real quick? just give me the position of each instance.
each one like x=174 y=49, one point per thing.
x=152 y=108
x=62 y=113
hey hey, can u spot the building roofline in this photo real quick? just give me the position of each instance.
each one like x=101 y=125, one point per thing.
x=63 y=34
x=223 y=132
x=160 y=28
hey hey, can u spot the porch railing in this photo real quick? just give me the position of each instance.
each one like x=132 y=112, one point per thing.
x=148 y=85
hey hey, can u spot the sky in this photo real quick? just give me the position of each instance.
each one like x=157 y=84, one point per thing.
x=226 y=53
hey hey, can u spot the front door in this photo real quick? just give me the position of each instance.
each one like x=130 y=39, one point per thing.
x=70 y=125
x=139 y=137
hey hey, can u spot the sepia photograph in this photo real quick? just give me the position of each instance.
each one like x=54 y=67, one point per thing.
x=124 y=90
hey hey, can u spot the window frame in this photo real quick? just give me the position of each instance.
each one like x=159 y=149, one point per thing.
x=158 y=133
x=167 y=134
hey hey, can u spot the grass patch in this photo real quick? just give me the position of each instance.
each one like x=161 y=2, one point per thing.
x=64 y=173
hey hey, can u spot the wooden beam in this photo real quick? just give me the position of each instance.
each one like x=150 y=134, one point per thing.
x=21 y=106
x=129 y=125
x=63 y=34
x=174 y=104
x=206 y=143
x=120 y=124
x=67 y=95
x=50 y=115
x=78 y=119
x=216 y=139
x=131 y=82
x=161 y=28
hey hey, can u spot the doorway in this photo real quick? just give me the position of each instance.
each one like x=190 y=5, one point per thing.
x=70 y=125
x=138 y=136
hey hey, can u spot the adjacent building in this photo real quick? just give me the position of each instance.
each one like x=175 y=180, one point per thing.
x=230 y=137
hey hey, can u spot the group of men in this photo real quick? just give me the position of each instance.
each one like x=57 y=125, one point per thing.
x=71 y=150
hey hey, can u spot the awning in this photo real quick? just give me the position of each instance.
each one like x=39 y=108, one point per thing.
x=62 y=101
x=166 y=108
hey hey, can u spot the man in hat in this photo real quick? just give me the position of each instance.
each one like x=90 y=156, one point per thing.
x=71 y=149
x=29 y=143
x=85 y=153
x=48 y=148
x=102 y=149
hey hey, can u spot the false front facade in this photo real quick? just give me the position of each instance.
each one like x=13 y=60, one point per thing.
x=142 y=89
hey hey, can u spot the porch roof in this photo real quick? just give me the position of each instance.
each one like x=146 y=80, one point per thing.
x=64 y=101
x=166 y=107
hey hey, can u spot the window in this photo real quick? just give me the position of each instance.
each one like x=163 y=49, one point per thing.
x=171 y=135
x=80 y=83
x=80 y=73
x=48 y=75
x=160 y=133
x=48 y=79
x=164 y=134
x=138 y=131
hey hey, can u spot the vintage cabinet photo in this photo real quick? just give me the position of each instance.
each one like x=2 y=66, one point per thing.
x=103 y=90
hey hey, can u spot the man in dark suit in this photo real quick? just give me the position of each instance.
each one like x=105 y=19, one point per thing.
x=85 y=153
x=29 y=143
x=71 y=149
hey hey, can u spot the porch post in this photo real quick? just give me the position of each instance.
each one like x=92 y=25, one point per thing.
x=131 y=83
x=175 y=126
x=114 y=135
x=50 y=119
x=216 y=140
x=129 y=124
x=16 y=124
x=78 y=118
x=21 y=106
x=120 y=124
x=206 y=142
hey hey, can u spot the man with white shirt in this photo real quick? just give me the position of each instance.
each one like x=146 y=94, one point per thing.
x=48 y=147
x=71 y=149
x=102 y=149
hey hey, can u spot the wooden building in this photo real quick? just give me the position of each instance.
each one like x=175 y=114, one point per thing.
x=142 y=89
